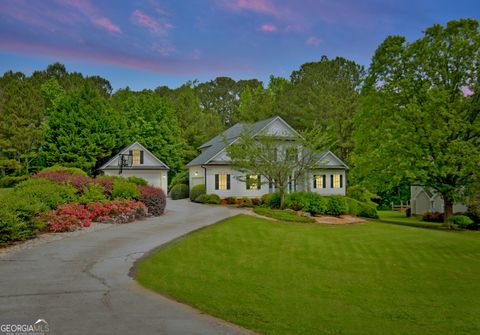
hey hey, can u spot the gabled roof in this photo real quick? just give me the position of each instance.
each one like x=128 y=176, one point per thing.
x=216 y=145
x=159 y=164
x=325 y=153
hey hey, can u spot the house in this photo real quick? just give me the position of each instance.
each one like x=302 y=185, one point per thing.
x=212 y=166
x=423 y=199
x=140 y=163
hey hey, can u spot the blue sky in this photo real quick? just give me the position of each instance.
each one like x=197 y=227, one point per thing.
x=148 y=43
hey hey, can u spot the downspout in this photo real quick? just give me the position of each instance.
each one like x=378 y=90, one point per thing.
x=204 y=176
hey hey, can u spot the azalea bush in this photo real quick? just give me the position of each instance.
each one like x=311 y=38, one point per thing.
x=68 y=217
x=154 y=198
x=117 y=211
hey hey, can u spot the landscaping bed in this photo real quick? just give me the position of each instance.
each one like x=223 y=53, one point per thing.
x=62 y=199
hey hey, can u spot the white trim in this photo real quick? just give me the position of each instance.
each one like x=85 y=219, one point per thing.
x=268 y=124
x=104 y=166
x=334 y=156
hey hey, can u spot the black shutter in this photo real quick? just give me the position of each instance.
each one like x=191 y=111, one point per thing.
x=314 y=181
x=216 y=181
x=331 y=181
x=247 y=182
x=324 y=181
x=259 y=183
x=141 y=157
x=341 y=181
x=228 y=181
x=130 y=158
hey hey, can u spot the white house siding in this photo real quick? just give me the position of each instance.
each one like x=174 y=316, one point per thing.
x=156 y=178
x=237 y=188
x=328 y=190
x=196 y=176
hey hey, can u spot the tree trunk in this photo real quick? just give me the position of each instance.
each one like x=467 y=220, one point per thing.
x=281 y=193
x=447 y=207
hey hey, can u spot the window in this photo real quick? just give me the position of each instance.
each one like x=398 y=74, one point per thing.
x=319 y=181
x=222 y=181
x=253 y=182
x=291 y=154
x=137 y=157
x=337 y=181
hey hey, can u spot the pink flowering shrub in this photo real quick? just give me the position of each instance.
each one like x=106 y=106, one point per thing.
x=154 y=198
x=66 y=217
x=72 y=216
x=117 y=211
x=107 y=184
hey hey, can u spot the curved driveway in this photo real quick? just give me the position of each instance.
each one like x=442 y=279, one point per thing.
x=80 y=284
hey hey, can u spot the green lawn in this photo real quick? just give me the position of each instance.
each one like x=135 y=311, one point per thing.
x=294 y=278
x=397 y=217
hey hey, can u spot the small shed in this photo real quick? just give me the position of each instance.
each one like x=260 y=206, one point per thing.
x=143 y=164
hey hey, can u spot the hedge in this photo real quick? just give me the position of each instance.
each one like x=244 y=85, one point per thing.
x=196 y=191
x=179 y=191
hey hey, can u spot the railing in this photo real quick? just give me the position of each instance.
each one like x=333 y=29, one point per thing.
x=401 y=207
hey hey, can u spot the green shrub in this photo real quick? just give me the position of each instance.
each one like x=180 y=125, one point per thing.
x=180 y=178
x=358 y=208
x=92 y=193
x=315 y=204
x=64 y=169
x=361 y=194
x=137 y=181
x=231 y=200
x=307 y=201
x=282 y=215
x=50 y=194
x=266 y=198
x=123 y=189
x=336 y=205
x=460 y=221
x=16 y=217
x=245 y=202
x=201 y=198
x=179 y=191
x=212 y=199
x=296 y=201
x=274 y=200
x=11 y=181
x=196 y=191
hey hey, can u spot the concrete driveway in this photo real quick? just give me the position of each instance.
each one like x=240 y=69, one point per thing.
x=81 y=284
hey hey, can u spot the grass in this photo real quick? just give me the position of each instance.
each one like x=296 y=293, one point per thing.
x=295 y=278
x=400 y=218
x=289 y=216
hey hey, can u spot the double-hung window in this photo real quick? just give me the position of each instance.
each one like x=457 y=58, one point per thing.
x=320 y=181
x=336 y=181
x=253 y=182
x=137 y=157
x=222 y=181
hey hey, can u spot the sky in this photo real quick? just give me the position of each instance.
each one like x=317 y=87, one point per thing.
x=150 y=43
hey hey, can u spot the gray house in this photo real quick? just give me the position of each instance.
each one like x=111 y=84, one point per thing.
x=212 y=167
x=423 y=199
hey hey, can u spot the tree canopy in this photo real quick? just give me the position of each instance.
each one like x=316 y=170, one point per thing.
x=419 y=120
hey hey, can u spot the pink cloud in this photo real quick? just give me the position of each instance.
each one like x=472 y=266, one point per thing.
x=259 y=6
x=150 y=23
x=145 y=63
x=312 y=40
x=107 y=24
x=269 y=28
